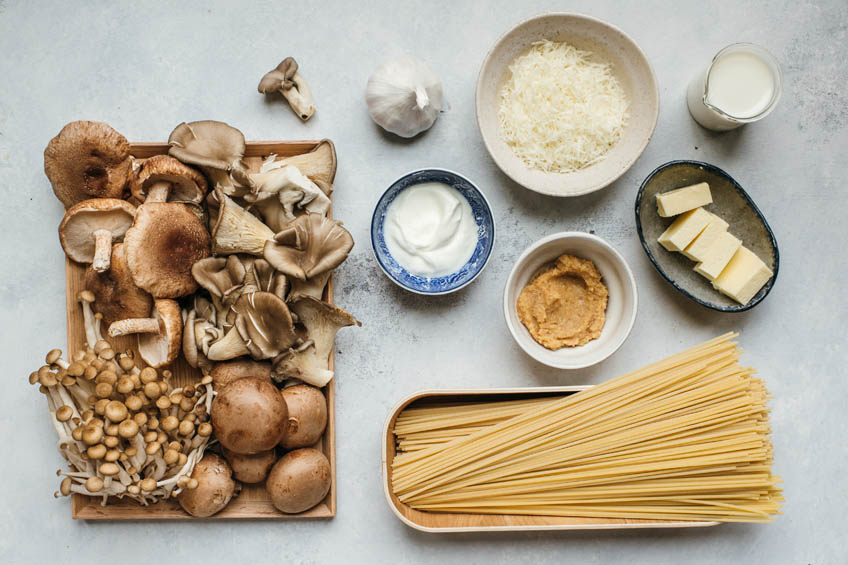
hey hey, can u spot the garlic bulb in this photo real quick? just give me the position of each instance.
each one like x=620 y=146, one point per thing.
x=404 y=96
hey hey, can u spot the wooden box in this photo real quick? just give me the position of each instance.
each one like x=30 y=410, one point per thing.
x=454 y=522
x=252 y=502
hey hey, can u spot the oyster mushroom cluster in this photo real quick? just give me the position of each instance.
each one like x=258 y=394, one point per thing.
x=199 y=255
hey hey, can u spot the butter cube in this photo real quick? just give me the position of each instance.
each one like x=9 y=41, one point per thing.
x=743 y=277
x=684 y=229
x=718 y=256
x=681 y=200
x=697 y=250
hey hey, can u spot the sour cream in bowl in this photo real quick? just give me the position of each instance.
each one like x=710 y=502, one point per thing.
x=432 y=231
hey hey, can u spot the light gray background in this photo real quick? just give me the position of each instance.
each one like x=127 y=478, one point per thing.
x=144 y=70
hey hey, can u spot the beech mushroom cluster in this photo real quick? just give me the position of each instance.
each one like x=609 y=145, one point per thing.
x=201 y=255
x=125 y=431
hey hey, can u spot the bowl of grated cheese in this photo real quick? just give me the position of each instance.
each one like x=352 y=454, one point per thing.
x=566 y=103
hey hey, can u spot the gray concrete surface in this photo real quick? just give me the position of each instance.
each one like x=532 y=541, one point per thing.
x=144 y=69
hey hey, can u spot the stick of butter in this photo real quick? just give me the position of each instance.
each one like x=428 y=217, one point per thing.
x=743 y=277
x=718 y=256
x=697 y=250
x=681 y=200
x=684 y=229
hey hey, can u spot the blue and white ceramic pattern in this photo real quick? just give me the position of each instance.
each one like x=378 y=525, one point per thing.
x=485 y=234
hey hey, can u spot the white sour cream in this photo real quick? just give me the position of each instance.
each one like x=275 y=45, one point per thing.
x=430 y=230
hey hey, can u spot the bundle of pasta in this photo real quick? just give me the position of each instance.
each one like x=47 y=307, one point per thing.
x=686 y=438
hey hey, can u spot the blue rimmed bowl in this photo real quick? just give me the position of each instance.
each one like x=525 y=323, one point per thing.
x=485 y=234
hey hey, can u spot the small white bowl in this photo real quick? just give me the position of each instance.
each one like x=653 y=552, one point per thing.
x=621 y=304
x=608 y=43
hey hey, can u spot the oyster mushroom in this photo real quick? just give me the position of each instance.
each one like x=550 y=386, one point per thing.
x=87 y=160
x=319 y=165
x=115 y=295
x=165 y=241
x=268 y=279
x=299 y=480
x=219 y=275
x=322 y=321
x=198 y=335
x=163 y=178
x=303 y=364
x=292 y=188
x=159 y=336
x=249 y=416
x=217 y=148
x=215 y=487
x=285 y=79
x=263 y=328
x=310 y=246
x=89 y=228
x=236 y=230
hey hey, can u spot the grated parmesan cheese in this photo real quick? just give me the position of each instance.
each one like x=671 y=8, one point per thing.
x=560 y=112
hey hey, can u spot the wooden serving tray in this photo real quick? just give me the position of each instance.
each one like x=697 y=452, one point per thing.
x=252 y=502
x=437 y=522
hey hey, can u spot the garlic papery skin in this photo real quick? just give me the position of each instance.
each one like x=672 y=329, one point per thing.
x=404 y=96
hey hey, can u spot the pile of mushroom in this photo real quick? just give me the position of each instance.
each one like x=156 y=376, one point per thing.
x=199 y=256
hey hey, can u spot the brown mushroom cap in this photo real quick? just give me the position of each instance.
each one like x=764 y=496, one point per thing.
x=215 y=487
x=225 y=372
x=187 y=184
x=307 y=409
x=207 y=143
x=299 y=480
x=250 y=469
x=82 y=220
x=166 y=240
x=115 y=295
x=249 y=416
x=87 y=160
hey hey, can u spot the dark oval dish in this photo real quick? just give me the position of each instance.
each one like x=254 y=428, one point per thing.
x=731 y=202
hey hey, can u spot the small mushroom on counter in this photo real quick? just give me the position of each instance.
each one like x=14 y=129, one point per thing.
x=115 y=295
x=217 y=148
x=301 y=363
x=215 y=487
x=236 y=230
x=286 y=79
x=312 y=245
x=162 y=178
x=87 y=160
x=89 y=228
x=322 y=321
x=159 y=336
x=249 y=415
x=225 y=372
x=307 y=409
x=250 y=469
x=299 y=480
x=319 y=165
x=163 y=244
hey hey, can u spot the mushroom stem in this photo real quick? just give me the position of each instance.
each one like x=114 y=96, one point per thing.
x=158 y=191
x=134 y=326
x=299 y=97
x=102 y=250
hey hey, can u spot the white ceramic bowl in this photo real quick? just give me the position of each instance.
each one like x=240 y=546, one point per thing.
x=621 y=304
x=608 y=43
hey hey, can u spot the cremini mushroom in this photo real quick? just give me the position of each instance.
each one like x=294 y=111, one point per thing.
x=87 y=160
x=319 y=164
x=163 y=178
x=250 y=469
x=301 y=363
x=217 y=148
x=322 y=321
x=214 y=489
x=163 y=244
x=236 y=230
x=299 y=480
x=263 y=328
x=286 y=79
x=225 y=372
x=89 y=228
x=115 y=295
x=307 y=410
x=159 y=336
x=249 y=415
x=310 y=246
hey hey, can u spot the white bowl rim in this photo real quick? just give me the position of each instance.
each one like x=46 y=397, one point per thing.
x=570 y=235
x=628 y=165
x=482 y=267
